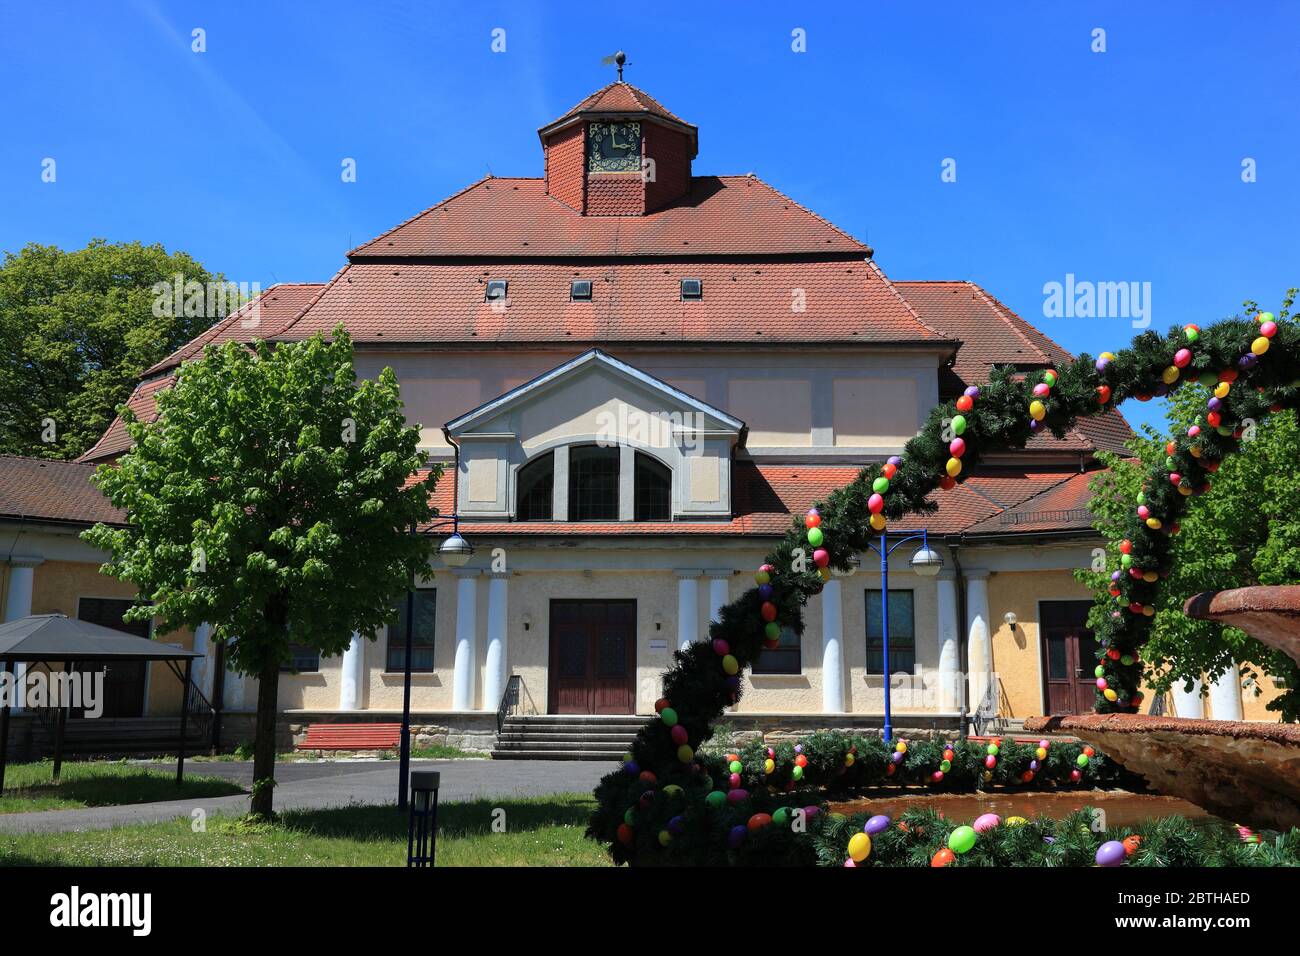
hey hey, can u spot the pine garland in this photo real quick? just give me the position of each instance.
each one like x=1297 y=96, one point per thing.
x=1252 y=369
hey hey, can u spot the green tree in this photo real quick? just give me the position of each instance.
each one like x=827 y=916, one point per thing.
x=1245 y=532
x=77 y=329
x=270 y=498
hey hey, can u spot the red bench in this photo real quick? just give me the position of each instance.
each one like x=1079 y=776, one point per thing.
x=351 y=737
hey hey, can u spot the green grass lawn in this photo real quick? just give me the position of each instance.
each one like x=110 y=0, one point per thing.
x=533 y=831
x=28 y=786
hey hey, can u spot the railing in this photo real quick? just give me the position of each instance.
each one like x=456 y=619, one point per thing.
x=202 y=714
x=510 y=700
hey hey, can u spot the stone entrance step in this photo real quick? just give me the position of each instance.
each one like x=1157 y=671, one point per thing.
x=567 y=737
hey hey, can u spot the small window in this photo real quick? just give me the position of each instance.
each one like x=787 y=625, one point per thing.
x=535 y=489
x=496 y=290
x=303 y=659
x=692 y=289
x=902 y=633
x=580 y=290
x=783 y=659
x=652 y=490
x=425 y=603
x=593 y=483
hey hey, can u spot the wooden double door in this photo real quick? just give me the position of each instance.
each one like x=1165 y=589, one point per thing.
x=124 y=681
x=1069 y=656
x=592 y=657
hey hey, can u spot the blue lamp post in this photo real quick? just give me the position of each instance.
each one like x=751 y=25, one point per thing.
x=925 y=562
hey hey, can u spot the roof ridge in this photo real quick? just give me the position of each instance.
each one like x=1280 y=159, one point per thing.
x=43 y=461
x=420 y=214
x=889 y=284
x=325 y=287
x=820 y=218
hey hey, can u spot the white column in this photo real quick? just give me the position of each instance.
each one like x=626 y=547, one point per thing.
x=1225 y=695
x=1188 y=704
x=466 y=662
x=688 y=608
x=949 y=643
x=718 y=578
x=202 y=646
x=979 y=646
x=832 y=649
x=18 y=603
x=352 y=674
x=233 y=695
x=498 y=668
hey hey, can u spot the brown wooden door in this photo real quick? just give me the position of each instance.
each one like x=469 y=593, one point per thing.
x=593 y=657
x=1069 y=657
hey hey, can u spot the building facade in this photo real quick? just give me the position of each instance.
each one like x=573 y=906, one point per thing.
x=635 y=376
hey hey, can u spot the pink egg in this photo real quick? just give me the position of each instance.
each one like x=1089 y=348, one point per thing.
x=875 y=504
x=986 y=822
x=1042 y=390
x=1183 y=358
x=1268 y=329
x=957 y=447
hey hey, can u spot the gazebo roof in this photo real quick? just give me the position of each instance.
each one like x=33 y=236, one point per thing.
x=56 y=637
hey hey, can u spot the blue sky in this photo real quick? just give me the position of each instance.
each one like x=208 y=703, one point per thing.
x=1122 y=166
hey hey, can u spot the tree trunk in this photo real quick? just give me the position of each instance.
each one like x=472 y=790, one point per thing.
x=268 y=692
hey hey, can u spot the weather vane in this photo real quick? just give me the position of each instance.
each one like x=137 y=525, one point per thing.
x=619 y=59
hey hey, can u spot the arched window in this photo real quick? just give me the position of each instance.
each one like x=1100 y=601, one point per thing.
x=535 y=486
x=593 y=483
x=653 y=490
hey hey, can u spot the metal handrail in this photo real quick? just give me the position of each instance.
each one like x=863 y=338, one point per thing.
x=509 y=700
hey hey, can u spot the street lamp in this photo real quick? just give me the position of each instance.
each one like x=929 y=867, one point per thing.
x=454 y=552
x=925 y=562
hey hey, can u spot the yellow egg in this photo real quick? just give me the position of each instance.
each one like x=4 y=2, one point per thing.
x=1153 y=524
x=769 y=765
x=848 y=760
x=730 y=664
x=1222 y=389
x=1169 y=375
x=1037 y=410
x=1196 y=451
x=1148 y=610
x=1015 y=821
x=1110 y=694
x=953 y=467
x=1110 y=356
x=1150 y=576
x=878 y=522
x=859 y=847
x=1259 y=346
x=1184 y=490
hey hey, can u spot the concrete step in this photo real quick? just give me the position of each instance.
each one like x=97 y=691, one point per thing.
x=533 y=743
x=609 y=756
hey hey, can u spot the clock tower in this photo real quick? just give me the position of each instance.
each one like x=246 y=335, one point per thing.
x=618 y=153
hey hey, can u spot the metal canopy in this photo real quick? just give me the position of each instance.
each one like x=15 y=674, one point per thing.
x=56 y=637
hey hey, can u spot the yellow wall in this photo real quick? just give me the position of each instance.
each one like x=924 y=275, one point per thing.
x=57 y=587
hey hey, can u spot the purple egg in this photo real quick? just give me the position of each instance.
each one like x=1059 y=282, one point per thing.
x=895 y=460
x=1049 y=839
x=1247 y=361
x=1035 y=425
x=733 y=682
x=765 y=591
x=1161 y=389
x=877 y=824
x=896 y=757
x=631 y=768
x=737 y=796
x=1102 y=363
x=973 y=391
x=810 y=812
x=737 y=836
x=1116 y=575
x=1033 y=765
x=798 y=748
x=1110 y=853
x=1214 y=404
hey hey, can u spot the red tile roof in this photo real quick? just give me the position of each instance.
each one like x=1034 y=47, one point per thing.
x=260 y=318
x=846 y=301
x=991 y=334
x=617 y=97
x=721 y=215
x=36 y=489
x=144 y=405
x=1063 y=507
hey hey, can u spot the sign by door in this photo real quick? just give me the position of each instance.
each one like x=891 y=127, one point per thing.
x=592 y=658
x=1069 y=656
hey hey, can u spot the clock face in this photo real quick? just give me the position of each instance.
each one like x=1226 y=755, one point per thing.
x=614 y=147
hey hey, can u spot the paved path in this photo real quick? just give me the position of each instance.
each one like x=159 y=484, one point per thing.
x=332 y=784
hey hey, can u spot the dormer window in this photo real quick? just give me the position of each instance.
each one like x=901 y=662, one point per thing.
x=692 y=290
x=580 y=290
x=496 y=290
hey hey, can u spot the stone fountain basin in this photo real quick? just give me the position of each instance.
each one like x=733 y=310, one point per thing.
x=1269 y=614
x=1248 y=773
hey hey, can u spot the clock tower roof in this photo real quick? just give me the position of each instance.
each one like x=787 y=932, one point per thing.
x=620 y=100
